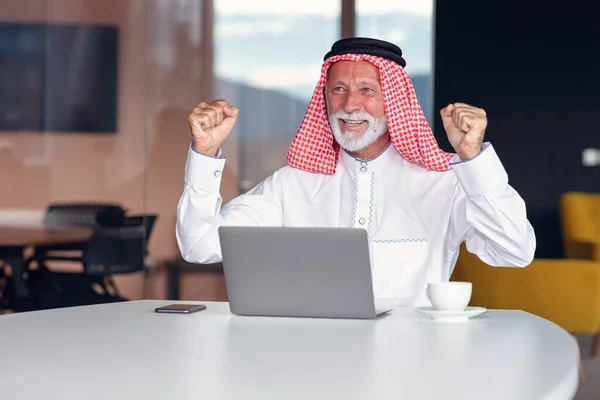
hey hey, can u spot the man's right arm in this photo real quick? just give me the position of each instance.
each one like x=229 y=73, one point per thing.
x=200 y=212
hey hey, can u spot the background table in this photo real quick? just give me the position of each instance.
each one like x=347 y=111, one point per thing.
x=175 y=268
x=127 y=351
x=14 y=240
x=14 y=236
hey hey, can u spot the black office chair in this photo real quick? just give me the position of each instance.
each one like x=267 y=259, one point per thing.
x=145 y=223
x=146 y=220
x=91 y=215
x=83 y=214
x=110 y=251
x=62 y=215
x=113 y=251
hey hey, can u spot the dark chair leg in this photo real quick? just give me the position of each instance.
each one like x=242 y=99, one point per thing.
x=110 y=281
x=581 y=372
x=173 y=277
x=595 y=345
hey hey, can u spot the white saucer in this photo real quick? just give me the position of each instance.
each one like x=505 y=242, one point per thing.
x=451 y=316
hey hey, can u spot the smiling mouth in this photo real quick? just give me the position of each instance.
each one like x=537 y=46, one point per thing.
x=353 y=123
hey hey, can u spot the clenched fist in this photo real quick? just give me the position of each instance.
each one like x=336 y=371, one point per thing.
x=210 y=124
x=465 y=126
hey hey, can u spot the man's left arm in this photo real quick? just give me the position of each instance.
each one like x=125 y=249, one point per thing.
x=487 y=212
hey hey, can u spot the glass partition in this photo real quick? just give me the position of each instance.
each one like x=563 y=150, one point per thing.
x=73 y=130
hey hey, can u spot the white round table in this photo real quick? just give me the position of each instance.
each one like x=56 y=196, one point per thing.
x=127 y=351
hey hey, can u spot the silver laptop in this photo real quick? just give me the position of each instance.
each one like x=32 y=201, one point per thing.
x=298 y=272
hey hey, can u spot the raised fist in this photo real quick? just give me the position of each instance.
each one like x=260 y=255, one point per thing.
x=210 y=124
x=465 y=126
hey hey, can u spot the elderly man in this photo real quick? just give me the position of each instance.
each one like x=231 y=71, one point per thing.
x=365 y=157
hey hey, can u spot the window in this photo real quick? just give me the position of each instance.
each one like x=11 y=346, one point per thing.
x=408 y=24
x=268 y=57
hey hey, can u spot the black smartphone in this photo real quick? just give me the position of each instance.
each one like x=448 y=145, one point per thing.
x=181 y=308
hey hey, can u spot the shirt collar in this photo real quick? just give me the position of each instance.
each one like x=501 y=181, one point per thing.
x=376 y=164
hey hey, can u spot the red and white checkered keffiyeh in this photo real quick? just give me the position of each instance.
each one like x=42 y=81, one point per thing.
x=314 y=148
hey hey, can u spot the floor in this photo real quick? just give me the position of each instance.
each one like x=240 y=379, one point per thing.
x=590 y=388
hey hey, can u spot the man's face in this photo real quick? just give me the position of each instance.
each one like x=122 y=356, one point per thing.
x=355 y=104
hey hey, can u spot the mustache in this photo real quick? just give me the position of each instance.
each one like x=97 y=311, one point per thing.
x=354 y=116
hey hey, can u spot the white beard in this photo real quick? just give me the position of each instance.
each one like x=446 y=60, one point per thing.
x=349 y=140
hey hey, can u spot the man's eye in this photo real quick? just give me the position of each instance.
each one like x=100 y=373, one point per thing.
x=338 y=89
x=368 y=90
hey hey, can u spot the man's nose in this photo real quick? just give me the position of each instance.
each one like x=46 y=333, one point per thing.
x=352 y=102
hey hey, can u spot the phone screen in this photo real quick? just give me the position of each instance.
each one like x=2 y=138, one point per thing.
x=181 y=308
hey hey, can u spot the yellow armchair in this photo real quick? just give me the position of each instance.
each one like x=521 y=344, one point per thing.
x=566 y=292
x=580 y=225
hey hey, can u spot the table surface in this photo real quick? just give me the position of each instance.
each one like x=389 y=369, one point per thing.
x=37 y=236
x=127 y=351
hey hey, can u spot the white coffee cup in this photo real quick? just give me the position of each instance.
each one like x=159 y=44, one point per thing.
x=449 y=296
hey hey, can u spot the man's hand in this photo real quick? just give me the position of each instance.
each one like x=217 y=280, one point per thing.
x=210 y=124
x=465 y=126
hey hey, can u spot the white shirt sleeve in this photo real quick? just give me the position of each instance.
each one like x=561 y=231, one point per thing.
x=200 y=212
x=488 y=214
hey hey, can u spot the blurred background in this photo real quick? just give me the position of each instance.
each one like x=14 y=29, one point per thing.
x=95 y=94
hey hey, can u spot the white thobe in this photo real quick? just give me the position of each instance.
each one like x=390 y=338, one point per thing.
x=415 y=218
